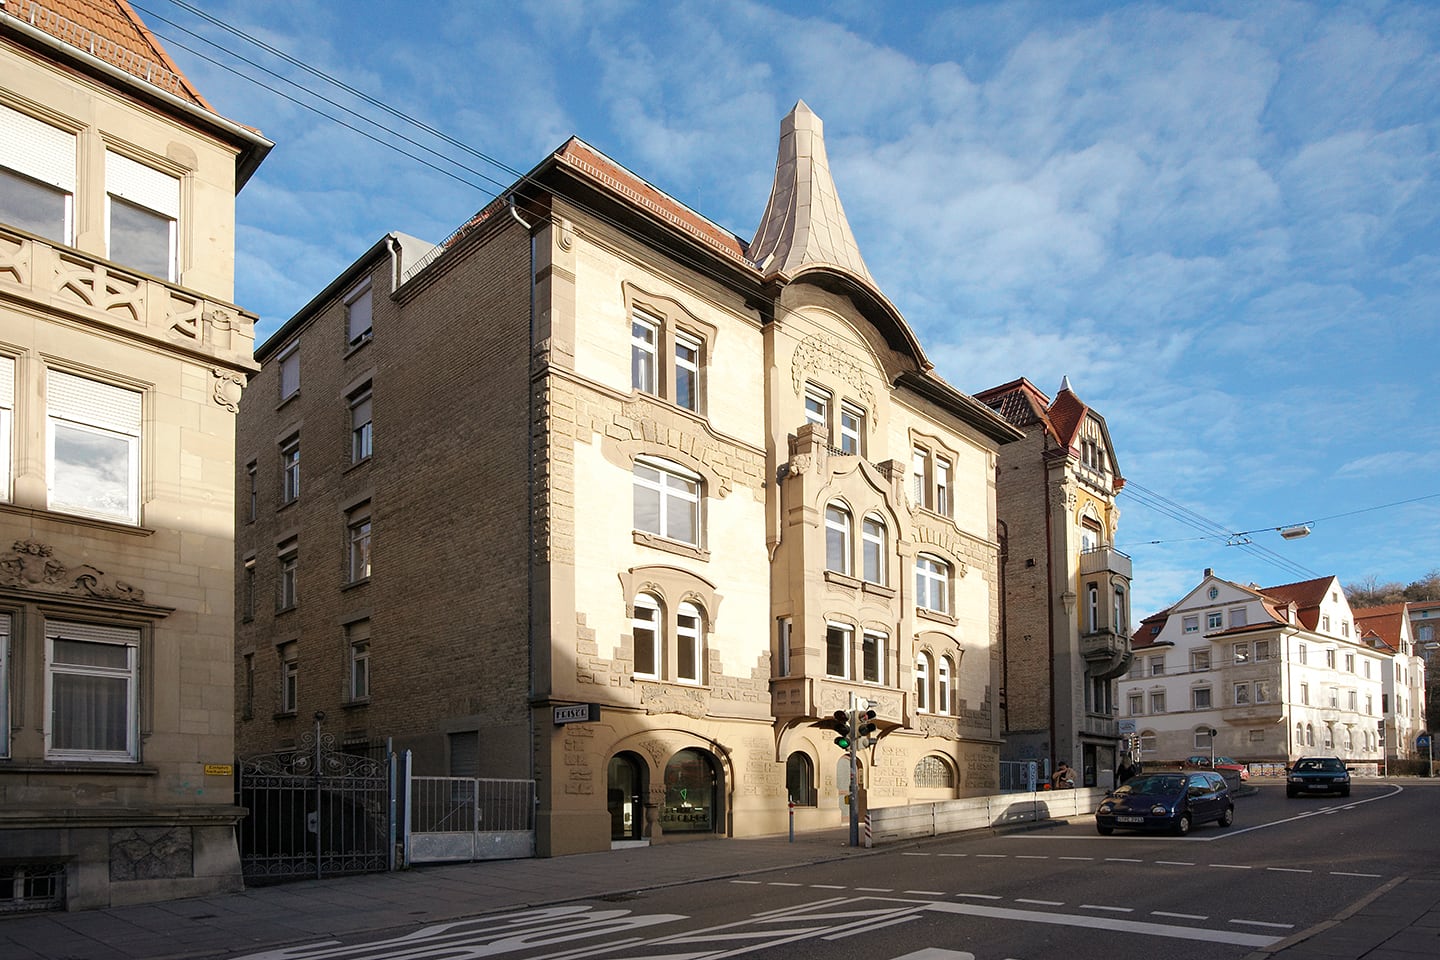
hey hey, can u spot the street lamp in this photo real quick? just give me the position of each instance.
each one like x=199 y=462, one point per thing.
x=1212 y=748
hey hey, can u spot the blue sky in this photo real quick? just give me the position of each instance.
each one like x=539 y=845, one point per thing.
x=1218 y=219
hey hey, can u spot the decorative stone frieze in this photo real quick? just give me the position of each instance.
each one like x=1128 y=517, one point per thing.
x=817 y=353
x=32 y=565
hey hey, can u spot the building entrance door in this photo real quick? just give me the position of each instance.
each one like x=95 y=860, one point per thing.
x=623 y=791
x=692 y=795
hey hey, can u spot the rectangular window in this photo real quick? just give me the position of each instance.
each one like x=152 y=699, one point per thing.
x=688 y=650
x=357 y=636
x=360 y=429
x=1333 y=697
x=667 y=501
x=1349 y=663
x=252 y=501
x=1330 y=659
x=37 y=176
x=817 y=405
x=1242 y=694
x=1157 y=701
x=1305 y=694
x=1262 y=649
x=1137 y=704
x=782 y=640
x=1352 y=700
x=942 y=486
x=687 y=372
x=1191 y=624
x=1239 y=653
x=1237 y=617
x=247 y=590
x=1370 y=704
x=1157 y=666
x=852 y=429
x=287 y=584
x=92 y=675
x=1200 y=698
x=359 y=308
x=1301 y=653
x=1092 y=607
x=4 y=684
x=1122 y=621
x=1325 y=623
x=358 y=550
x=872 y=535
x=1262 y=691
x=837 y=650
x=1366 y=665
x=932 y=584
x=247 y=687
x=142 y=213
x=290 y=469
x=290 y=372
x=93 y=448
x=7 y=418
x=1199 y=661
x=644 y=342
x=919 y=459
x=645 y=629
x=1214 y=620
x=289 y=677
x=872 y=657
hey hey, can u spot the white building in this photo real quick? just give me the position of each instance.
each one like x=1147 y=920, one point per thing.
x=1388 y=629
x=1275 y=672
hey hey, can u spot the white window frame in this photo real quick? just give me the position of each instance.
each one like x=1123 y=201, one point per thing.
x=147 y=189
x=1157 y=666
x=289 y=654
x=839 y=523
x=1241 y=694
x=690 y=635
x=674 y=488
x=90 y=408
x=846 y=637
x=932 y=583
x=1092 y=607
x=358 y=532
x=1199 y=661
x=945 y=686
x=4 y=684
x=646 y=616
x=127 y=638
x=7 y=419
x=359 y=314
x=919 y=484
x=817 y=405
x=1263 y=650
x=290 y=469
x=288 y=368
x=1191 y=623
x=1240 y=652
x=1304 y=693
x=943 y=506
x=43 y=154
x=1157 y=701
x=874 y=648
x=287 y=578
x=783 y=628
x=644 y=353
x=1136 y=702
x=852 y=429
x=922 y=682
x=1214 y=620
x=1199 y=693
x=1262 y=691
x=358 y=635
x=687 y=368
x=362 y=418
x=873 y=537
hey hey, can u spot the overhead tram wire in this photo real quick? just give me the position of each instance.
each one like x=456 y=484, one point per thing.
x=521 y=178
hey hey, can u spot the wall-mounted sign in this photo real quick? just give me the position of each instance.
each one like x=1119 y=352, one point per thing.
x=219 y=770
x=578 y=713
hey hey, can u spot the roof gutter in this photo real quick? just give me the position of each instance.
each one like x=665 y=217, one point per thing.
x=255 y=146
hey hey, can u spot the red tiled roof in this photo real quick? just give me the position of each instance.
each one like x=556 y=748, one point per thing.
x=1066 y=413
x=1307 y=595
x=109 y=30
x=1385 y=622
x=1020 y=402
x=600 y=168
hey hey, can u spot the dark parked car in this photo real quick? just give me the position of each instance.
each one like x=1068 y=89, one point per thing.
x=1317 y=775
x=1166 y=801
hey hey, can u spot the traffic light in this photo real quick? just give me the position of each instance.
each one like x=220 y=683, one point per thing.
x=842 y=727
x=864 y=724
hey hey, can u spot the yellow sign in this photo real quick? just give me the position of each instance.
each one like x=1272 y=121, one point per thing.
x=219 y=770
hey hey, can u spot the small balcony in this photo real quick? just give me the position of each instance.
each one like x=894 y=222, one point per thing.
x=1098 y=725
x=1105 y=560
x=1106 y=653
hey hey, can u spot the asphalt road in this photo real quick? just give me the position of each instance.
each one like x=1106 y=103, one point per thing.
x=1284 y=866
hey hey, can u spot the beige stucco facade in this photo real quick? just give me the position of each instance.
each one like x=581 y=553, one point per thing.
x=116 y=514
x=595 y=480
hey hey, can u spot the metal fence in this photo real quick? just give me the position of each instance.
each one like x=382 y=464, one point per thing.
x=1018 y=775
x=465 y=818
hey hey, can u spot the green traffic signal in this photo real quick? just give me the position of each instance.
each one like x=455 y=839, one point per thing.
x=843 y=743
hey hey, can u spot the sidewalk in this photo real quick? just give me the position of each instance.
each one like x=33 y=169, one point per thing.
x=1401 y=921
x=267 y=917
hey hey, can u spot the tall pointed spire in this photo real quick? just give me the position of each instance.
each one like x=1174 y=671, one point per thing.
x=804 y=223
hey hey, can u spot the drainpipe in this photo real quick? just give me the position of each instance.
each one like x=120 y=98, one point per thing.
x=530 y=507
x=1050 y=597
x=1004 y=537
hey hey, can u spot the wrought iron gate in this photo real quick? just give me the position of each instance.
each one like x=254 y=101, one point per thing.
x=315 y=811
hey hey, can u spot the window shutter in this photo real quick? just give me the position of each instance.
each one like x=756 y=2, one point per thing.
x=78 y=400
x=37 y=150
x=7 y=382
x=95 y=633
x=142 y=185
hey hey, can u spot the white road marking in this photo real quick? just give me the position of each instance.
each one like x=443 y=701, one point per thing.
x=1178 y=916
x=1231 y=866
x=937 y=953
x=993 y=856
x=1288 y=870
x=1108 y=923
x=1030 y=856
x=980 y=896
x=1041 y=903
x=1077 y=858
x=876 y=889
x=1175 y=863
x=826 y=886
x=1262 y=923
x=779 y=883
x=926 y=893
x=1101 y=906
x=954 y=854
x=1122 y=860
x=913 y=854
x=754 y=882
x=1368 y=876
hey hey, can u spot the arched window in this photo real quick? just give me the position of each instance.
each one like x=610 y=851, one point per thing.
x=800 y=779
x=945 y=687
x=1299 y=734
x=667 y=500
x=1092 y=607
x=932 y=583
x=1349 y=741
x=1329 y=737
x=689 y=630
x=934 y=772
x=872 y=535
x=837 y=538
x=922 y=683
x=645 y=627
x=1309 y=735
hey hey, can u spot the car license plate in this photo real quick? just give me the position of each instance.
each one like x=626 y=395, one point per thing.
x=1129 y=819
x=1317 y=786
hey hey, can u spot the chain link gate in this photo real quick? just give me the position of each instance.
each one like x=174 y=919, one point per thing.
x=315 y=811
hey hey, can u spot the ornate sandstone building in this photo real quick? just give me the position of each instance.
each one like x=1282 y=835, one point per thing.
x=121 y=364
x=594 y=449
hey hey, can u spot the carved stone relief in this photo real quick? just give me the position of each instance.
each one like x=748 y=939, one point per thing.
x=825 y=354
x=151 y=853
x=227 y=389
x=32 y=565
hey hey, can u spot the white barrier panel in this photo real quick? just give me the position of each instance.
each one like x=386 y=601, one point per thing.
x=975 y=813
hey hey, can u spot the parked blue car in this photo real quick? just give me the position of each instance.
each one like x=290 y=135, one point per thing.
x=1166 y=801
